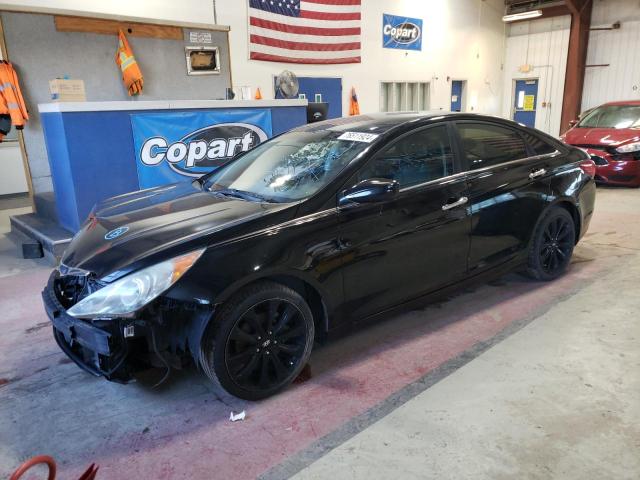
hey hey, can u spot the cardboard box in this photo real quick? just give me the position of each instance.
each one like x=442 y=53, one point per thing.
x=67 y=90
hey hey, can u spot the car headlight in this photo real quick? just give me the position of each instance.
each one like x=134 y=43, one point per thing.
x=629 y=147
x=132 y=292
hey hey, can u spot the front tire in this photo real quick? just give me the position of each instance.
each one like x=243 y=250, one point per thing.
x=552 y=245
x=259 y=342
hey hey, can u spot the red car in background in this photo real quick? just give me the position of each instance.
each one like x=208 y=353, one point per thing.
x=610 y=133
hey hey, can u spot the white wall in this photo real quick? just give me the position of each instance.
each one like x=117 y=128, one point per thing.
x=542 y=44
x=619 y=48
x=462 y=39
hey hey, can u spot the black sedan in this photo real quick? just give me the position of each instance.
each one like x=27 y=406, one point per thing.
x=242 y=270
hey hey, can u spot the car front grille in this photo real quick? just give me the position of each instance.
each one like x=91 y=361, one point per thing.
x=598 y=160
x=595 y=147
x=625 y=157
x=619 y=157
x=70 y=289
x=622 y=178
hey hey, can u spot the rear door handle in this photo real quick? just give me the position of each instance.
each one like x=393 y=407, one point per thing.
x=457 y=203
x=537 y=173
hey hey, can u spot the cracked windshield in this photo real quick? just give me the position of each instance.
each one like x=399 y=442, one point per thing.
x=288 y=168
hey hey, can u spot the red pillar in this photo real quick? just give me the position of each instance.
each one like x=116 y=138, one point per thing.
x=576 y=60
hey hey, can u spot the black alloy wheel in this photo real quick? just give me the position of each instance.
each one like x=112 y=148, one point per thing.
x=262 y=341
x=552 y=245
x=265 y=344
x=557 y=244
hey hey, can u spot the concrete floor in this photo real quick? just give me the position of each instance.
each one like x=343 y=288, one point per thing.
x=514 y=379
x=558 y=399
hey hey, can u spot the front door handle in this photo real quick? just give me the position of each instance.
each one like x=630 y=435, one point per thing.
x=457 y=203
x=342 y=243
x=537 y=173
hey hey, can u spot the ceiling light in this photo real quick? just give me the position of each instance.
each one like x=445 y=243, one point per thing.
x=514 y=17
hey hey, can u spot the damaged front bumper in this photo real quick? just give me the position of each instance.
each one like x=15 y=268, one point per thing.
x=99 y=350
x=165 y=334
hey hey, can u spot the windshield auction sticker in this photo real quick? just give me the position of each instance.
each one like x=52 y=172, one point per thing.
x=358 y=137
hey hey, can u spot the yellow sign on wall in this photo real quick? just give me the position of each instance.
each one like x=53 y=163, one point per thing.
x=529 y=103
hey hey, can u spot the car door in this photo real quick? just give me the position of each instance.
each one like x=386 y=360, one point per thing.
x=415 y=242
x=506 y=181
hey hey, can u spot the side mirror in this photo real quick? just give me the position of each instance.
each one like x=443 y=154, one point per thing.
x=573 y=123
x=371 y=190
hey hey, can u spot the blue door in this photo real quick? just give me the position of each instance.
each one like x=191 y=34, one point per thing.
x=329 y=88
x=456 y=95
x=525 y=102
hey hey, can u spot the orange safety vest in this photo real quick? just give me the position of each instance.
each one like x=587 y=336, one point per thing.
x=354 y=107
x=131 y=74
x=11 y=99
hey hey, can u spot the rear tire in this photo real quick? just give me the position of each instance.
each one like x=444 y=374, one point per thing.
x=259 y=342
x=552 y=245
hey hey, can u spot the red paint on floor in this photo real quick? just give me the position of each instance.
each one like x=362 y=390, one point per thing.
x=182 y=430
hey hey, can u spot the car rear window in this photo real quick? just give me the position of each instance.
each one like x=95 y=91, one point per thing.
x=537 y=144
x=485 y=145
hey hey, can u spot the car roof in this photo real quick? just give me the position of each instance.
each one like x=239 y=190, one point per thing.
x=623 y=102
x=381 y=123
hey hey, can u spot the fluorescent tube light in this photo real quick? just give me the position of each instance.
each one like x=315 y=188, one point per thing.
x=522 y=16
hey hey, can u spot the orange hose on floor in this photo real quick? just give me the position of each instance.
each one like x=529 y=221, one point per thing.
x=89 y=474
x=32 y=462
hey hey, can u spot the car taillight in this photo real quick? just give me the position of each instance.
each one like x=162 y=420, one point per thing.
x=588 y=167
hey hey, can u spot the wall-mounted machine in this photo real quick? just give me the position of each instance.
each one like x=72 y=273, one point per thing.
x=202 y=60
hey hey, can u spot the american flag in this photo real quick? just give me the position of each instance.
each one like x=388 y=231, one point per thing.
x=304 y=31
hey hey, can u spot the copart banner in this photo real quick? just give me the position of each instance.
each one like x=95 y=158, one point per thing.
x=172 y=147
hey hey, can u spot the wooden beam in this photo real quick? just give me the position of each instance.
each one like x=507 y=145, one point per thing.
x=573 y=6
x=555 y=11
x=576 y=61
x=111 y=27
x=577 y=6
x=67 y=12
x=23 y=147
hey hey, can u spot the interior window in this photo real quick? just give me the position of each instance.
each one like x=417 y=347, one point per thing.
x=538 y=145
x=485 y=145
x=417 y=158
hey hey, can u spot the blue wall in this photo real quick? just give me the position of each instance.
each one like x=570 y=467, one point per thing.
x=330 y=88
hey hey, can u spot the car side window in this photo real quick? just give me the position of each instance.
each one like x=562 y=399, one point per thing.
x=538 y=145
x=418 y=157
x=485 y=145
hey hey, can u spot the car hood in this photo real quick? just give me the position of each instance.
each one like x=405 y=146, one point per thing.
x=606 y=137
x=125 y=229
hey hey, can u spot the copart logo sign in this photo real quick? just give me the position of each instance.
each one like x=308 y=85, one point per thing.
x=207 y=148
x=401 y=32
x=181 y=146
